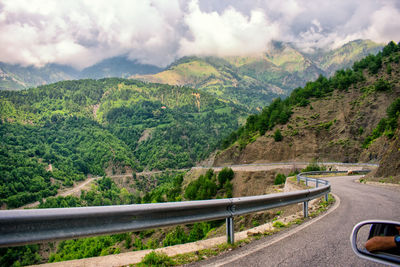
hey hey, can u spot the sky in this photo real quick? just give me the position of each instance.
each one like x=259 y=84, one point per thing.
x=82 y=33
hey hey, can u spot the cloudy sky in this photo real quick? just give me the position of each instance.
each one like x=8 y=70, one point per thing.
x=82 y=33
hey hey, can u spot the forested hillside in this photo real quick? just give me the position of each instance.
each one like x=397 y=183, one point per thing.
x=331 y=119
x=55 y=134
x=254 y=81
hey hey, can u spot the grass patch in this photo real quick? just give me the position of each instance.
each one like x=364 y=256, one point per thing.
x=156 y=259
x=323 y=206
x=279 y=224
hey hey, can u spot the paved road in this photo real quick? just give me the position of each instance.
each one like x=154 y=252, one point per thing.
x=325 y=242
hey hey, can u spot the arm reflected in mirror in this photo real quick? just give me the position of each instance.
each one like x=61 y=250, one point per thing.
x=378 y=243
x=377 y=240
x=383 y=237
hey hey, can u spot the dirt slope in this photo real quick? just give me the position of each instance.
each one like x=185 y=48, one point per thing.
x=329 y=129
x=389 y=168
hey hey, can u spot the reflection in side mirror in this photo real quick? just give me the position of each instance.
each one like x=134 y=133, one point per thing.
x=378 y=241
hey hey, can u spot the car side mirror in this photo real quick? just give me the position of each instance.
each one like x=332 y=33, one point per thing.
x=378 y=241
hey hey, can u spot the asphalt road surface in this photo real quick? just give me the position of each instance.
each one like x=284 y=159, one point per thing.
x=325 y=242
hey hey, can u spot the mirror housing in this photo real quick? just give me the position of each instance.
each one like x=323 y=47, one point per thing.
x=387 y=253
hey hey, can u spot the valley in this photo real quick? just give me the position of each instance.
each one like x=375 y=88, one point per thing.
x=138 y=139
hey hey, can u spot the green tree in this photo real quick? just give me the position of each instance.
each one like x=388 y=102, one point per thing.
x=278 y=136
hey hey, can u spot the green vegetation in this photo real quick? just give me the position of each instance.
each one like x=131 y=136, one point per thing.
x=106 y=192
x=279 y=111
x=156 y=259
x=279 y=224
x=162 y=126
x=278 y=136
x=86 y=247
x=74 y=147
x=204 y=187
x=279 y=179
x=20 y=256
x=386 y=125
x=313 y=166
x=75 y=128
x=382 y=85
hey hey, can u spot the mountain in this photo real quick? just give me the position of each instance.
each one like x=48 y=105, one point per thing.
x=16 y=77
x=344 y=57
x=349 y=117
x=56 y=134
x=117 y=67
x=254 y=81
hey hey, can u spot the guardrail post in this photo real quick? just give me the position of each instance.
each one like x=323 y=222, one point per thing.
x=305 y=209
x=306 y=181
x=326 y=197
x=230 y=231
x=316 y=183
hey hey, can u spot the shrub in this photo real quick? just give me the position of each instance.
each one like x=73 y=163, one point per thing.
x=313 y=166
x=228 y=186
x=199 y=231
x=279 y=224
x=382 y=85
x=226 y=174
x=175 y=237
x=255 y=223
x=280 y=179
x=156 y=259
x=278 y=136
x=202 y=188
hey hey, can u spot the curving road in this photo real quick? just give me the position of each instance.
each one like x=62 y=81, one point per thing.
x=325 y=242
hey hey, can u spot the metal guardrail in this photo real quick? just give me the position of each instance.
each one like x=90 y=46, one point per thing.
x=20 y=227
x=304 y=177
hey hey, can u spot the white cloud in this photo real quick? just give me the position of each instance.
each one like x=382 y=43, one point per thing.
x=227 y=34
x=385 y=25
x=81 y=33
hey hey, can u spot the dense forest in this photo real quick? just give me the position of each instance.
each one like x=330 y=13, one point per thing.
x=279 y=111
x=56 y=134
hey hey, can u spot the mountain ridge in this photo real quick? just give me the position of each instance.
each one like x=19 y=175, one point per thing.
x=16 y=77
x=254 y=81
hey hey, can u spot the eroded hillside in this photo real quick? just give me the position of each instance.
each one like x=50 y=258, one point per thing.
x=329 y=120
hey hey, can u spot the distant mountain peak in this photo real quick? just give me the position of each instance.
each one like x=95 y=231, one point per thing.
x=16 y=77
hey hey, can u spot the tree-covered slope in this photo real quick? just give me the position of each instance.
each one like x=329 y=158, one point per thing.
x=254 y=81
x=55 y=134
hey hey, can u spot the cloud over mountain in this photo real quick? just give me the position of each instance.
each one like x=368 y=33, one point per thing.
x=81 y=33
